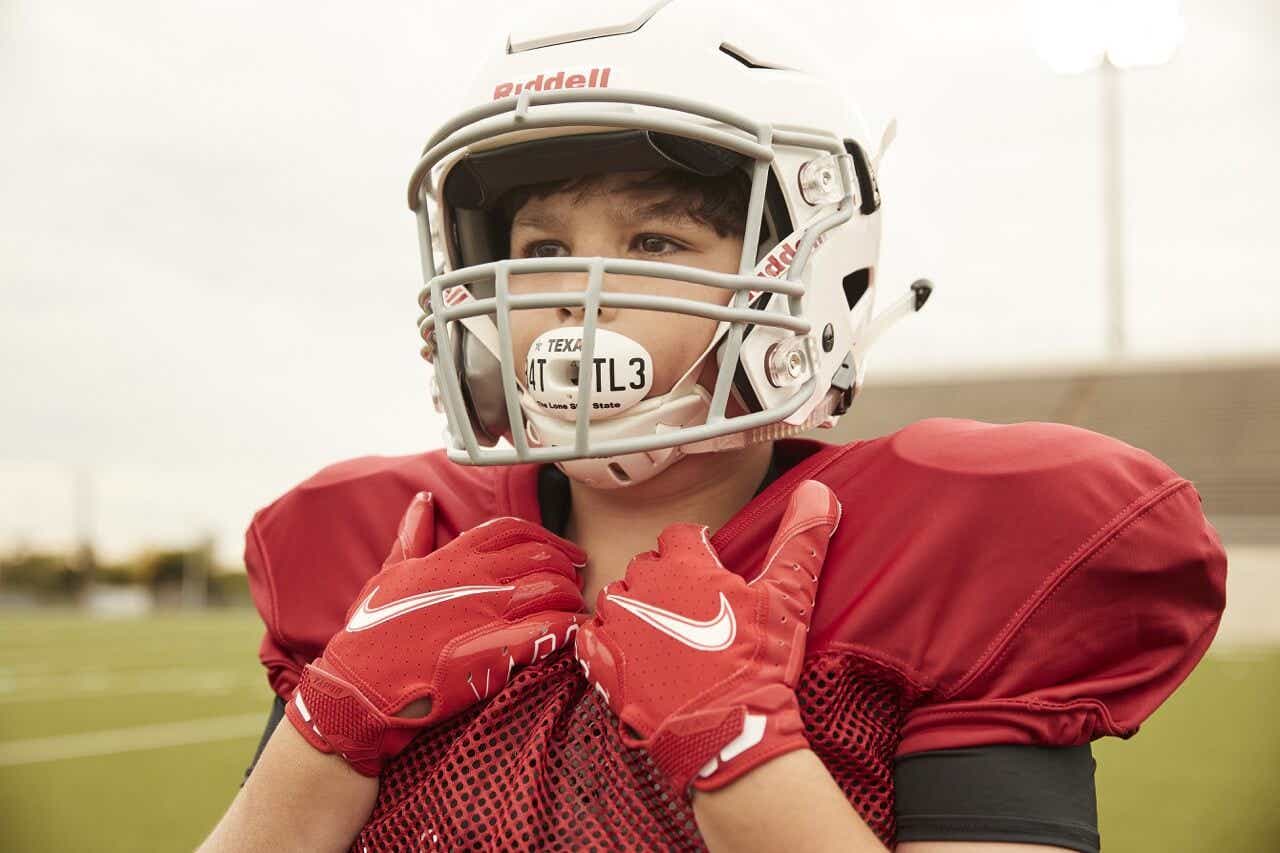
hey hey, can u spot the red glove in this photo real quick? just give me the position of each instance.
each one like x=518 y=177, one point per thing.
x=702 y=664
x=448 y=626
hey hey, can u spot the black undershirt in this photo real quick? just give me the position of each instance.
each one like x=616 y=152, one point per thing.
x=1009 y=793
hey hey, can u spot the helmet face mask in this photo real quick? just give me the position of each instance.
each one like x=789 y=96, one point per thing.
x=785 y=321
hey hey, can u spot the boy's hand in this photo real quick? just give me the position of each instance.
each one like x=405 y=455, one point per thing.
x=446 y=626
x=701 y=664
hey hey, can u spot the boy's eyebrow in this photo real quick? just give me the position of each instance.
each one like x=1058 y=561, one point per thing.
x=626 y=214
x=545 y=219
x=639 y=212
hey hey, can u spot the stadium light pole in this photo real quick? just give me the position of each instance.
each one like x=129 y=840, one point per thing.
x=82 y=508
x=1109 y=37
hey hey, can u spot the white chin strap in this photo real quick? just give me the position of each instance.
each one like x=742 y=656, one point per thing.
x=656 y=416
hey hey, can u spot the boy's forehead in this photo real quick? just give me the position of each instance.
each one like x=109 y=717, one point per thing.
x=621 y=202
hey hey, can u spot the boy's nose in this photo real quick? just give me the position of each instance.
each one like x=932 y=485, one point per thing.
x=575 y=315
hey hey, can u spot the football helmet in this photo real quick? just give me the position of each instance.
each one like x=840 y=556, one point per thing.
x=687 y=85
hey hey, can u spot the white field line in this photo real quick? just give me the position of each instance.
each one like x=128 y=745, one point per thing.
x=38 y=688
x=132 y=739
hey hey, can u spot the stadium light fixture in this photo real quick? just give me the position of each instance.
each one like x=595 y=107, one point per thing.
x=1075 y=36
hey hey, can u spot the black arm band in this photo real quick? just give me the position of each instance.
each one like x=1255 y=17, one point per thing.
x=1027 y=794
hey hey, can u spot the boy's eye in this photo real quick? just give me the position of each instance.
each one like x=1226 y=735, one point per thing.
x=546 y=249
x=656 y=244
x=648 y=244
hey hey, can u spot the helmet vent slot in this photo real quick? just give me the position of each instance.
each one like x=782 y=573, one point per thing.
x=748 y=60
x=855 y=286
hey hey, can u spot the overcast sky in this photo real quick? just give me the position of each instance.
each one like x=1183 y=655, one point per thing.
x=209 y=273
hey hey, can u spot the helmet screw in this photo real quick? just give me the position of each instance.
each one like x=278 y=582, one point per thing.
x=786 y=363
x=828 y=338
x=795 y=364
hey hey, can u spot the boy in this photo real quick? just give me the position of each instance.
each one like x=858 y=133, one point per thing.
x=905 y=641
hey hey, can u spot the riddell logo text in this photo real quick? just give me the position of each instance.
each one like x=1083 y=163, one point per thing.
x=781 y=257
x=574 y=78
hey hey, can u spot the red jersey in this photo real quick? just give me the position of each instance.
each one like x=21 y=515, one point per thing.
x=1023 y=584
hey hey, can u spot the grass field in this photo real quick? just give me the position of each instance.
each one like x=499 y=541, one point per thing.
x=133 y=735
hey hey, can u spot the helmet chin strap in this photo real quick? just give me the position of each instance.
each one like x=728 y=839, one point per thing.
x=616 y=472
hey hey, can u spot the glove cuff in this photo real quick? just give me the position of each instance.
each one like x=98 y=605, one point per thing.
x=298 y=713
x=713 y=747
x=727 y=773
x=334 y=717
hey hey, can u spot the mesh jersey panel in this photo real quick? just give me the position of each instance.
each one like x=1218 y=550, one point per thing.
x=541 y=767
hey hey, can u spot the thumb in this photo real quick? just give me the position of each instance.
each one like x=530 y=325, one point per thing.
x=794 y=559
x=416 y=535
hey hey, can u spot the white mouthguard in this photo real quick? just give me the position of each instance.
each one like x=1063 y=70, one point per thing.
x=620 y=376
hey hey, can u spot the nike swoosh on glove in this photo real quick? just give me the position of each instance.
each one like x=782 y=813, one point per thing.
x=448 y=625
x=699 y=663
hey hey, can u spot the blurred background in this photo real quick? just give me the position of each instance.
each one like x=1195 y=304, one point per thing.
x=209 y=279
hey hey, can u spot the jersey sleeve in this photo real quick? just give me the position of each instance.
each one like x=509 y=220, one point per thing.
x=308 y=554
x=1099 y=642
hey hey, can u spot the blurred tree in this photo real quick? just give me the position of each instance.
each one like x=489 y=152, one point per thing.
x=176 y=577
x=48 y=575
x=229 y=589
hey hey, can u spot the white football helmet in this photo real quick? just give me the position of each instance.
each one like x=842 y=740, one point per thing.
x=678 y=84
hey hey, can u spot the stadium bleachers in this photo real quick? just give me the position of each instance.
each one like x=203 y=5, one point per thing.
x=1218 y=424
